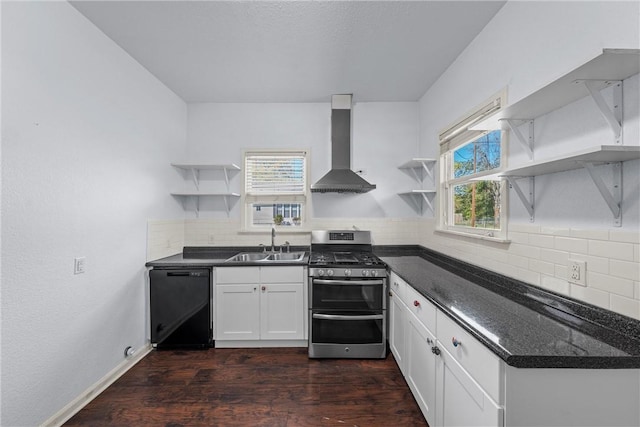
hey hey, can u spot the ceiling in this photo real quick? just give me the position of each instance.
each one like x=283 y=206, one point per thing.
x=292 y=51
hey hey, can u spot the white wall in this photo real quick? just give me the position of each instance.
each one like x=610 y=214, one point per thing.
x=385 y=135
x=526 y=46
x=87 y=138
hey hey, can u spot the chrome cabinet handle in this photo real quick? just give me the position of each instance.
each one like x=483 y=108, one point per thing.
x=455 y=342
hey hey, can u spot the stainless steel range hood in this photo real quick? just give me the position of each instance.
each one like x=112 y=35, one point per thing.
x=341 y=179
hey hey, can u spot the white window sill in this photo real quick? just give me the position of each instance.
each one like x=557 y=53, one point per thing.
x=473 y=236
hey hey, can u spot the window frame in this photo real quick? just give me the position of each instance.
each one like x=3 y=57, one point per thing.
x=454 y=138
x=284 y=198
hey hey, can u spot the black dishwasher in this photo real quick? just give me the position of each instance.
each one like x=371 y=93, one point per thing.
x=180 y=301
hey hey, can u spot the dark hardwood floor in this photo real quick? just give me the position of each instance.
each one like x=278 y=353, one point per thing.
x=254 y=387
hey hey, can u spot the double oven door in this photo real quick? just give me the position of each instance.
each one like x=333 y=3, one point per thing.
x=347 y=317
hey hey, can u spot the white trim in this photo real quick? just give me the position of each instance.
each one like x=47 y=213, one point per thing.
x=73 y=407
x=474 y=236
x=261 y=343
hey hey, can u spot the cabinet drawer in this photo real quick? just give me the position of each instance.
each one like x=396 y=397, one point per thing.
x=238 y=275
x=398 y=286
x=421 y=307
x=484 y=366
x=282 y=275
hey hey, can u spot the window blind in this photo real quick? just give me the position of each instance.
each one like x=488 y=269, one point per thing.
x=461 y=132
x=275 y=174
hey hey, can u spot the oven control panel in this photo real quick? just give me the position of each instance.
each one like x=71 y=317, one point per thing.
x=348 y=272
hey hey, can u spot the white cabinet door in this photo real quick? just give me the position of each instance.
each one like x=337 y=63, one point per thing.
x=421 y=366
x=237 y=312
x=397 y=327
x=281 y=311
x=462 y=402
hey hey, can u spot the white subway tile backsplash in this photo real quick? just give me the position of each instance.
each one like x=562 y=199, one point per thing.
x=541 y=240
x=524 y=250
x=594 y=263
x=622 y=251
x=561 y=271
x=518 y=237
x=554 y=256
x=537 y=255
x=614 y=285
x=590 y=295
x=625 y=269
x=556 y=231
x=628 y=307
x=624 y=236
x=590 y=234
x=571 y=244
x=542 y=267
x=518 y=261
x=554 y=284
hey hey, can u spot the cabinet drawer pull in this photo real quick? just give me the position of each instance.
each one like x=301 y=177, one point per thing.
x=435 y=350
x=416 y=303
x=264 y=288
x=455 y=342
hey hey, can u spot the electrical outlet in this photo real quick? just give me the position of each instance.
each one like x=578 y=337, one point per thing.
x=78 y=265
x=577 y=272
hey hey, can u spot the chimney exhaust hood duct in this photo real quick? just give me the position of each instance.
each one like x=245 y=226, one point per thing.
x=341 y=179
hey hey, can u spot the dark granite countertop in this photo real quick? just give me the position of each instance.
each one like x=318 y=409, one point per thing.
x=525 y=326
x=196 y=256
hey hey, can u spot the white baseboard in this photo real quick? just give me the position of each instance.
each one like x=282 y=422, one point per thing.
x=73 y=407
x=260 y=343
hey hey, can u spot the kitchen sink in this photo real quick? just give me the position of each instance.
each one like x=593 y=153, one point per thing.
x=286 y=256
x=248 y=257
x=266 y=257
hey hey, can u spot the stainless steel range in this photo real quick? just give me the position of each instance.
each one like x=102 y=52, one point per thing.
x=347 y=296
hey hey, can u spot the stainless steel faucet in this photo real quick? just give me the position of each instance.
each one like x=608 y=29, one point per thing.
x=273 y=237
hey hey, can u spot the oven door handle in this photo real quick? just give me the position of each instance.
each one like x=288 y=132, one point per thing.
x=348 y=282
x=339 y=317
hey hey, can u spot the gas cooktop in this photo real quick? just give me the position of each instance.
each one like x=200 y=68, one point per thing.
x=341 y=258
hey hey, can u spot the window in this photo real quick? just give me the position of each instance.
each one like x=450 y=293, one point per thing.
x=472 y=196
x=275 y=188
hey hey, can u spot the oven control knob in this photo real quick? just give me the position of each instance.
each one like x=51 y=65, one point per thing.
x=347 y=272
x=329 y=273
x=374 y=273
x=365 y=273
x=321 y=272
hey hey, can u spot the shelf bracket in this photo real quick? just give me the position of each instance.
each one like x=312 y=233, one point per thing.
x=526 y=142
x=613 y=115
x=226 y=180
x=428 y=171
x=528 y=202
x=226 y=201
x=612 y=198
x=195 y=175
x=427 y=201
